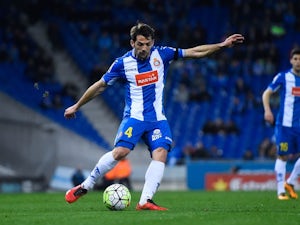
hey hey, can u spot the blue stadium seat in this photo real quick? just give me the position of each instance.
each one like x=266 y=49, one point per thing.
x=186 y=120
x=17 y=85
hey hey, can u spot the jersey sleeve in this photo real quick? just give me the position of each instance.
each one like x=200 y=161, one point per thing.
x=169 y=53
x=114 y=72
x=277 y=82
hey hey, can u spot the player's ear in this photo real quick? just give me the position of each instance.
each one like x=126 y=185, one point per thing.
x=132 y=43
x=152 y=42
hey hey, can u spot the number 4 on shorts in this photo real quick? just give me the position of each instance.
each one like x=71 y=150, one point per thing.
x=128 y=132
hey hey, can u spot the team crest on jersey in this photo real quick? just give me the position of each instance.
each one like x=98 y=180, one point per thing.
x=143 y=79
x=296 y=91
x=156 y=134
x=156 y=62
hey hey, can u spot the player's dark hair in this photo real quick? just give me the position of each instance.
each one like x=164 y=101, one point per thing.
x=142 y=29
x=295 y=51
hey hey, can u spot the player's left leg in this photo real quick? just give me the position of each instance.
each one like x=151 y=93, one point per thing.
x=291 y=181
x=153 y=178
x=159 y=140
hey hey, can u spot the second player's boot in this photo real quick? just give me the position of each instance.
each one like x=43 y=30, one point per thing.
x=290 y=189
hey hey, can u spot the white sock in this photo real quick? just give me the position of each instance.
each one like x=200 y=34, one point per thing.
x=153 y=178
x=105 y=164
x=280 y=170
x=295 y=173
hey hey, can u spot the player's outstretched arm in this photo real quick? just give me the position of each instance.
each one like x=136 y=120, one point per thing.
x=95 y=89
x=205 y=50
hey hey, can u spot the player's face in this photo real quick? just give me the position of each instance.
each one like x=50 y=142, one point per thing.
x=295 y=61
x=142 y=47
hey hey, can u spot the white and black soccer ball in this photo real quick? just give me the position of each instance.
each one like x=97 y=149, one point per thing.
x=116 y=197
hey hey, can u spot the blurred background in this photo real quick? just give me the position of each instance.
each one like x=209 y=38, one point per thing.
x=51 y=51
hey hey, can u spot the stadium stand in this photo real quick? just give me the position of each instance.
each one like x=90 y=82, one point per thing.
x=95 y=33
x=27 y=75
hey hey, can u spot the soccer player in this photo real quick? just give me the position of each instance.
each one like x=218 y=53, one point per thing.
x=144 y=70
x=287 y=129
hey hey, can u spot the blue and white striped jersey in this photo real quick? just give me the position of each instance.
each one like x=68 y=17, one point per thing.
x=144 y=82
x=289 y=86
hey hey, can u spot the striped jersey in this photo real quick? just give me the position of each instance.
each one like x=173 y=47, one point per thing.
x=144 y=81
x=289 y=86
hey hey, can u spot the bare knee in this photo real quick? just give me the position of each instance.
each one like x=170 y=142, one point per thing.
x=160 y=154
x=283 y=157
x=120 y=153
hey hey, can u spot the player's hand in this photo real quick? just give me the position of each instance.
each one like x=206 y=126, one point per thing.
x=70 y=112
x=269 y=117
x=233 y=40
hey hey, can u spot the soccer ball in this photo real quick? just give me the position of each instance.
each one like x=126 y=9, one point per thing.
x=116 y=197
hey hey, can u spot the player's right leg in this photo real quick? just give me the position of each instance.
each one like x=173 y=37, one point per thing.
x=75 y=193
x=280 y=170
x=284 y=143
x=105 y=163
x=129 y=132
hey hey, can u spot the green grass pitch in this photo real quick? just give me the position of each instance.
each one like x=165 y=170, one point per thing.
x=185 y=207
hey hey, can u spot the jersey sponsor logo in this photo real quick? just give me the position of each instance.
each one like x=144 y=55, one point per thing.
x=146 y=78
x=130 y=69
x=296 y=91
x=156 y=134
